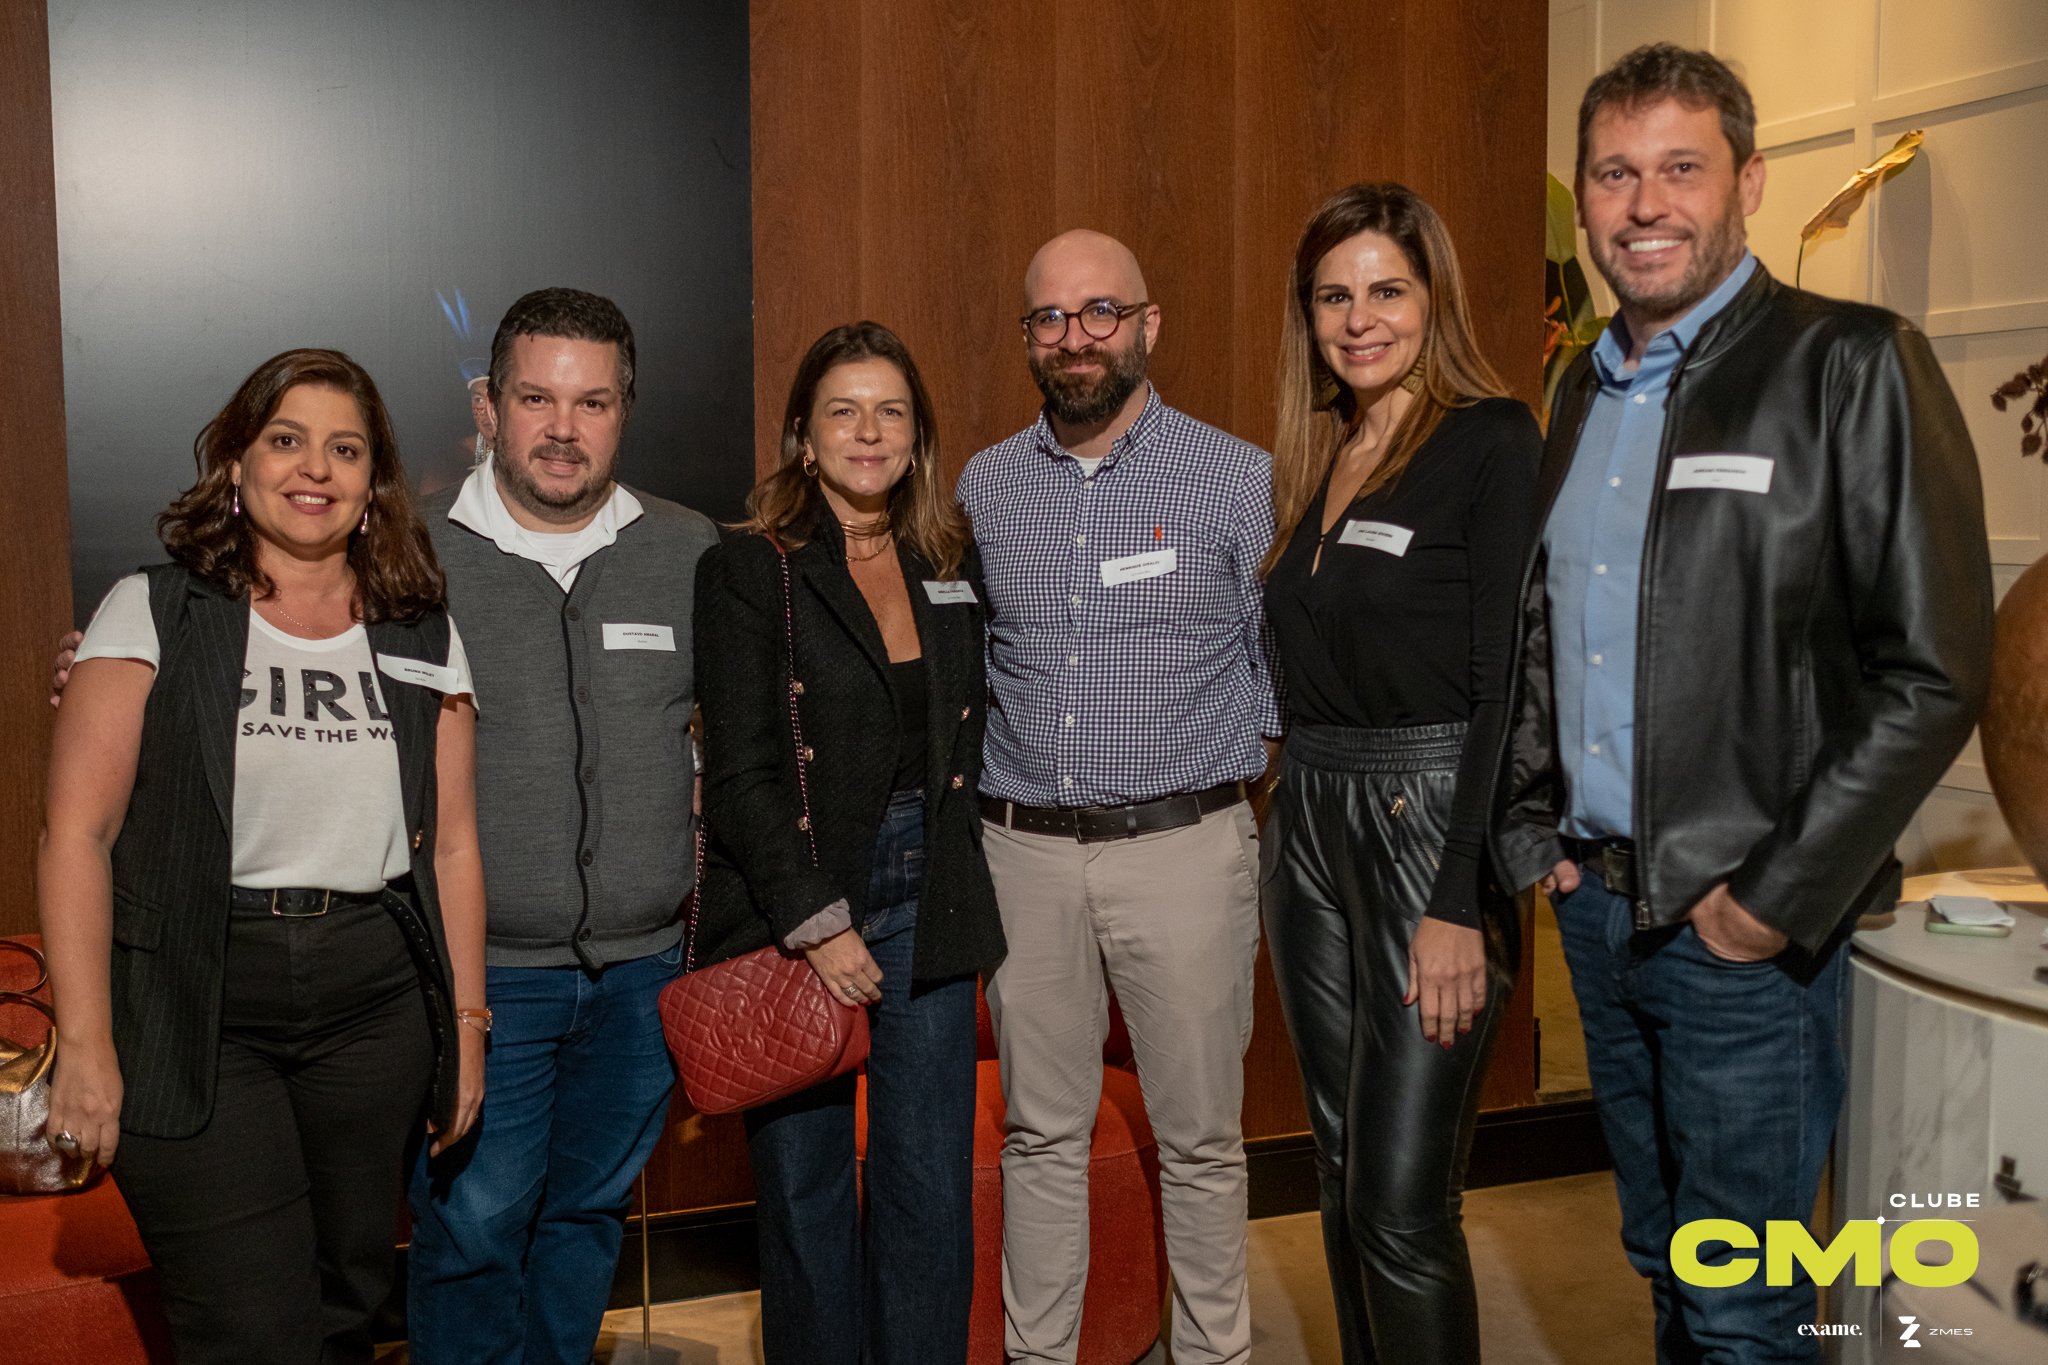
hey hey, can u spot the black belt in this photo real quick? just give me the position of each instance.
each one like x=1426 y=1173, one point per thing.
x=1614 y=859
x=1099 y=824
x=298 y=902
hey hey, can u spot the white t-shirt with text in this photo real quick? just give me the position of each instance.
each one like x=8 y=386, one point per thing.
x=317 y=800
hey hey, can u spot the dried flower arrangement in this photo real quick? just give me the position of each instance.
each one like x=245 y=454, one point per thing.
x=2034 y=380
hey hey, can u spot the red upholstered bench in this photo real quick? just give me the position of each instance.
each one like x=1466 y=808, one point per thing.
x=75 y=1285
x=1127 y=1247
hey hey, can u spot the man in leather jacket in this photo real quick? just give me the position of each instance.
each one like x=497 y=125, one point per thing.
x=1755 y=632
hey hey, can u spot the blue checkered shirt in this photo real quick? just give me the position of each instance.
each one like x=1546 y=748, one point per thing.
x=1105 y=695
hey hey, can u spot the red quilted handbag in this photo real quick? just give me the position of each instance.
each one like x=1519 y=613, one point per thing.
x=757 y=1027
x=762 y=1025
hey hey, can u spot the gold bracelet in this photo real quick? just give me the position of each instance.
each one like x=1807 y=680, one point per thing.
x=479 y=1019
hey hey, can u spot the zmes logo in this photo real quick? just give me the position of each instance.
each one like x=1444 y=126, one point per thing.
x=1787 y=1240
x=1908 y=1326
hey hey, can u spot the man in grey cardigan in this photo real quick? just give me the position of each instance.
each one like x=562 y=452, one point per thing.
x=573 y=594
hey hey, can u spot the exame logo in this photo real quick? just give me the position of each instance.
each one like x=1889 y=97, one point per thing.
x=1858 y=1243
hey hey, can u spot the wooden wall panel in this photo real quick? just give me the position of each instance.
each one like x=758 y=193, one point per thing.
x=1145 y=153
x=952 y=145
x=1475 y=123
x=35 y=507
x=805 y=110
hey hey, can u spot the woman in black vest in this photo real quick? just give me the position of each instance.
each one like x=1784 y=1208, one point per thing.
x=896 y=911
x=259 y=883
x=1403 y=489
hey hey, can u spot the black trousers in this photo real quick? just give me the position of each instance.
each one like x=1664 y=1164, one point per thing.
x=1352 y=845
x=272 y=1229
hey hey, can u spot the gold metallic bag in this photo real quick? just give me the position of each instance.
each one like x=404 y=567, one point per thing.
x=28 y=1164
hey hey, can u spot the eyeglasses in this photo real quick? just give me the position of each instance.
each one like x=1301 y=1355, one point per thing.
x=1099 y=320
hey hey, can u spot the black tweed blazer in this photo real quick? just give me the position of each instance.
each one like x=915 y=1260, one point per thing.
x=759 y=881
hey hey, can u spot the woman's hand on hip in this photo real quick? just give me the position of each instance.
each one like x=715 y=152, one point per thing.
x=85 y=1100
x=469 y=1089
x=1447 y=975
x=849 y=973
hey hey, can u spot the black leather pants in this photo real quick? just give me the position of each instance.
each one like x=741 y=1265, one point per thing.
x=1351 y=847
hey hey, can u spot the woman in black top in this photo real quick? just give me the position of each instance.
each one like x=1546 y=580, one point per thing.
x=896 y=911
x=1402 y=484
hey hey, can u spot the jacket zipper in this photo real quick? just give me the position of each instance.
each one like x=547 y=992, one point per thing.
x=1639 y=771
x=576 y=943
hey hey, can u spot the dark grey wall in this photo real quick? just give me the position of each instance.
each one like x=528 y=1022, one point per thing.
x=235 y=178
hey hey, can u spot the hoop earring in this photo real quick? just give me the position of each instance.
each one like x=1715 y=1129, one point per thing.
x=810 y=464
x=238 y=499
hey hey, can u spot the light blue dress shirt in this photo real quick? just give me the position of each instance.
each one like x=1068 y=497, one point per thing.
x=1594 y=539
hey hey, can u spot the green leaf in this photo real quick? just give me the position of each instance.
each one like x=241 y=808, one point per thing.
x=1560 y=222
x=1578 y=292
x=1551 y=375
x=1588 y=332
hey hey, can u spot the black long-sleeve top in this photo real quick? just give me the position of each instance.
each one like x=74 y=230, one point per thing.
x=1379 y=639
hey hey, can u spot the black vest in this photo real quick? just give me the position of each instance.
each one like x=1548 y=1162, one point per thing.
x=173 y=859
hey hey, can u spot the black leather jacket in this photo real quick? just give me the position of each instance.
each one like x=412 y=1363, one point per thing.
x=1809 y=660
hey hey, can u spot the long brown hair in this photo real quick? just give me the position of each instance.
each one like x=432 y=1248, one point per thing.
x=1318 y=413
x=921 y=510
x=397 y=576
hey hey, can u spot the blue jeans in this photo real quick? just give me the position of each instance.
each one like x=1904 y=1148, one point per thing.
x=516 y=1231
x=1718 y=1085
x=899 y=1295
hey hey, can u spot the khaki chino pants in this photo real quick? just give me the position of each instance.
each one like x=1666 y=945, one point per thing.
x=1170 y=922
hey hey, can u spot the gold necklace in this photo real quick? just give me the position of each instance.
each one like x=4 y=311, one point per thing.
x=883 y=544
x=278 y=607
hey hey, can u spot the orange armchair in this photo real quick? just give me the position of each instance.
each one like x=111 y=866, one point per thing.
x=76 y=1287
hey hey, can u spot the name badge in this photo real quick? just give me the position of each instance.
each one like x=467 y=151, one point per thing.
x=1745 y=473
x=435 y=676
x=1132 y=568
x=945 y=594
x=639 y=637
x=1377 y=535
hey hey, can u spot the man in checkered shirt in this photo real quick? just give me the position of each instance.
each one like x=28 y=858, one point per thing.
x=1120 y=542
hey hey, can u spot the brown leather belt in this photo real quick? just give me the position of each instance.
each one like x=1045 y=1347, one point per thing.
x=1100 y=824
x=1613 y=859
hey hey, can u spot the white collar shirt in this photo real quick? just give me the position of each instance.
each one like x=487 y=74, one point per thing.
x=480 y=506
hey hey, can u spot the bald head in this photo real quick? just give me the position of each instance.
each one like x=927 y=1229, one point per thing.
x=1079 y=267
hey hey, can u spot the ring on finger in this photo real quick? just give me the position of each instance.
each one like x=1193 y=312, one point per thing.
x=65 y=1143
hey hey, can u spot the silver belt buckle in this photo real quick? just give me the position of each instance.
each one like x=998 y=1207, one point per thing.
x=326 y=900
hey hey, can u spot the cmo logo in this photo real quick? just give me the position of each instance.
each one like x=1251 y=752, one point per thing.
x=1786 y=1241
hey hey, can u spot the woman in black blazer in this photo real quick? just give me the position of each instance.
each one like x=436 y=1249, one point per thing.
x=849 y=597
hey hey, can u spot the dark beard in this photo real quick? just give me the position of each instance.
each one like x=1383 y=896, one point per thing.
x=1083 y=402
x=1716 y=249
x=550 y=506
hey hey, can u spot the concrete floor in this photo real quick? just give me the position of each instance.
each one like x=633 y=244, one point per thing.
x=1553 y=1290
